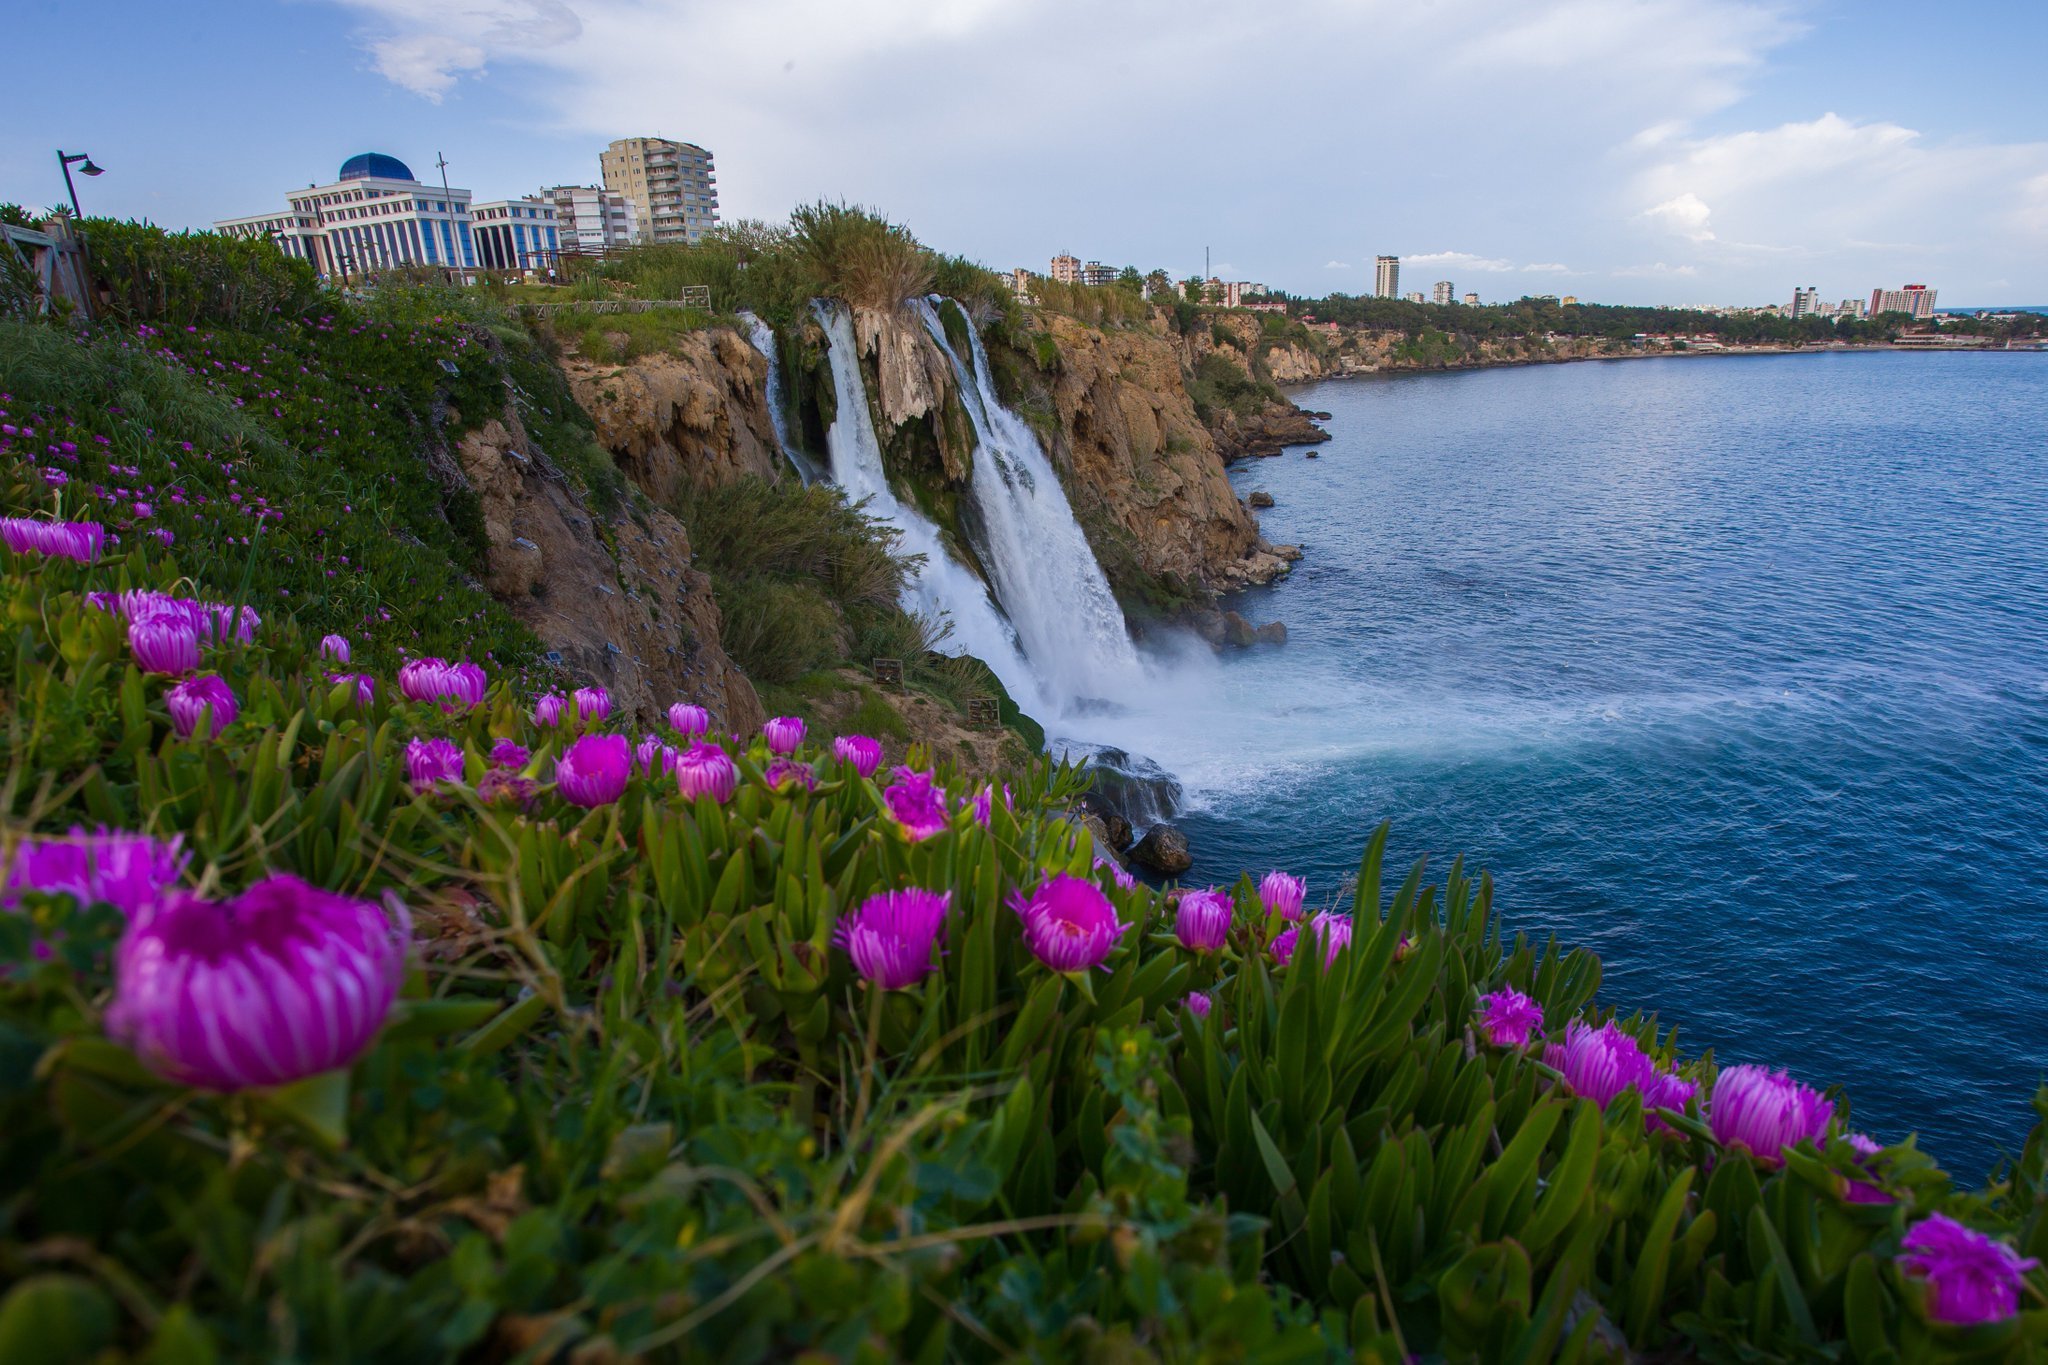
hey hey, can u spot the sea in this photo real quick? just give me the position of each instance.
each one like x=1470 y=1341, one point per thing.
x=1732 y=669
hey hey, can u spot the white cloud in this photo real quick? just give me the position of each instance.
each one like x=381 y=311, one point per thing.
x=1687 y=215
x=1460 y=260
x=1547 y=268
x=426 y=63
x=1656 y=271
x=1336 y=265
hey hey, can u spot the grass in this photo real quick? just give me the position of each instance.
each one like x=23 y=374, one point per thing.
x=619 y=338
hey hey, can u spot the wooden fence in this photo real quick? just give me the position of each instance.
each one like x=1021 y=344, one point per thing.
x=46 y=267
x=694 y=296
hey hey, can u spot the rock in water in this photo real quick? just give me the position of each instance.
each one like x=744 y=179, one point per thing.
x=1237 y=631
x=1163 y=849
x=1262 y=499
x=1272 y=633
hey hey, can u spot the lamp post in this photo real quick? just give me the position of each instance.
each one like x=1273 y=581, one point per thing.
x=67 y=160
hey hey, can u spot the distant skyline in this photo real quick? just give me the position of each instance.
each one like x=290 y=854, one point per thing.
x=1626 y=151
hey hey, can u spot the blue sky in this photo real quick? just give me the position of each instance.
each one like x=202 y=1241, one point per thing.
x=1691 y=151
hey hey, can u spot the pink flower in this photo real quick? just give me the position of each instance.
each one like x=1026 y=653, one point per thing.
x=509 y=753
x=1198 y=1004
x=1282 y=894
x=1202 y=920
x=283 y=982
x=548 y=710
x=431 y=761
x=689 y=721
x=785 y=773
x=783 y=734
x=1764 y=1112
x=593 y=703
x=127 y=871
x=334 y=648
x=647 y=754
x=1970 y=1278
x=594 y=770
x=1117 y=873
x=863 y=753
x=75 y=540
x=1335 y=932
x=164 y=644
x=366 y=685
x=1508 y=1018
x=1069 y=925
x=1284 y=944
x=918 y=806
x=197 y=697
x=707 y=770
x=893 y=938
x=505 y=787
x=457 y=687
x=1865 y=1191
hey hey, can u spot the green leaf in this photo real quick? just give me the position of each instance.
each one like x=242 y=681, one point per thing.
x=318 y=1104
x=55 y=1317
x=1570 y=1181
x=1646 y=1285
x=1760 y=1230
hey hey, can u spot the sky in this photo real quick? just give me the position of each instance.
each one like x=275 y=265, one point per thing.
x=1626 y=151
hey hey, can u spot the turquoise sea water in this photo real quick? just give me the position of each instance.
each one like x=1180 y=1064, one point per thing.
x=1732 y=669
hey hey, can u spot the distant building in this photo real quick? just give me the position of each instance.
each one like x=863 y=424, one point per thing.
x=375 y=216
x=1805 y=301
x=1849 y=308
x=1386 y=277
x=1443 y=293
x=673 y=186
x=1065 y=269
x=591 y=219
x=1471 y=300
x=1020 y=284
x=1416 y=296
x=1915 y=299
x=515 y=234
x=1097 y=274
x=1569 y=300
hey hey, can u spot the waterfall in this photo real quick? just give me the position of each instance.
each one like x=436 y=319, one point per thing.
x=1045 y=572
x=763 y=337
x=940 y=587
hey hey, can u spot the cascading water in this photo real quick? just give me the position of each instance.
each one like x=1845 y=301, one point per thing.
x=941 y=587
x=1045 y=572
x=763 y=337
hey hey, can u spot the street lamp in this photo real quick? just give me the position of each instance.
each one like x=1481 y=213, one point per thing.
x=69 y=159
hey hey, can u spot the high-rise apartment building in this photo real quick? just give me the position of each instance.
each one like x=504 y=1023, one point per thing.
x=1805 y=301
x=1386 y=277
x=1098 y=274
x=1415 y=296
x=1471 y=300
x=1443 y=294
x=591 y=219
x=673 y=186
x=1066 y=269
x=375 y=216
x=1914 y=299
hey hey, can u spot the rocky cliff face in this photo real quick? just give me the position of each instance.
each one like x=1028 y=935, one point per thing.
x=618 y=600
x=694 y=416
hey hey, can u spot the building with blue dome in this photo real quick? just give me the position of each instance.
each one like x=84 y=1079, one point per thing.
x=377 y=215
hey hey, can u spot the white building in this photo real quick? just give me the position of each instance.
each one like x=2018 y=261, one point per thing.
x=1386 y=277
x=591 y=219
x=1471 y=300
x=1915 y=299
x=673 y=186
x=1443 y=293
x=515 y=234
x=1416 y=296
x=1097 y=274
x=375 y=216
x=1805 y=301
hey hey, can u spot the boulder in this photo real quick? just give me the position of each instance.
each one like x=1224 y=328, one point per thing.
x=1311 y=454
x=1164 y=849
x=1237 y=631
x=1272 y=633
x=1262 y=499
x=1112 y=831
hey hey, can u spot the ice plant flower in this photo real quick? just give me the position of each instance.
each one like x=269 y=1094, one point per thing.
x=689 y=721
x=593 y=771
x=505 y=787
x=919 y=807
x=863 y=753
x=1335 y=933
x=593 y=703
x=1764 y=1112
x=1202 y=920
x=457 y=687
x=1198 y=1004
x=705 y=769
x=510 y=753
x=1282 y=894
x=76 y=540
x=1970 y=1278
x=334 y=648
x=164 y=644
x=785 y=773
x=1864 y=1191
x=1665 y=1090
x=1508 y=1018
x=1117 y=873
x=127 y=871
x=366 y=685
x=1284 y=944
x=203 y=695
x=783 y=734
x=431 y=761
x=1069 y=925
x=283 y=982
x=548 y=709
x=892 y=938
x=1600 y=1063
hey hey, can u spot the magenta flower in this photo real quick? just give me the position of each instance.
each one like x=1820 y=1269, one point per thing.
x=1284 y=944
x=334 y=648
x=1601 y=1063
x=1282 y=895
x=456 y=687
x=1335 y=932
x=505 y=787
x=283 y=982
x=1666 y=1090
x=706 y=769
x=785 y=773
x=893 y=938
x=863 y=753
x=509 y=753
x=594 y=770
x=200 y=696
x=647 y=754
x=1764 y=1112
x=1865 y=1191
x=548 y=710
x=1508 y=1018
x=783 y=734
x=430 y=761
x=127 y=871
x=593 y=703
x=918 y=806
x=689 y=721
x=1202 y=920
x=76 y=540
x=1117 y=873
x=1970 y=1278
x=366 y=685
x=164 y=644
x=1069 y=925
x=1198 y=1004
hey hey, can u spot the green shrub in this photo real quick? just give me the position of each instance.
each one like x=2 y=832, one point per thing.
x=778 y=630
x=181 y=279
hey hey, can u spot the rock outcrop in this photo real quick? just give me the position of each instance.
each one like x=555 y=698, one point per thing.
x=1163 y=849
x=619 y=602
x=695 y=415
